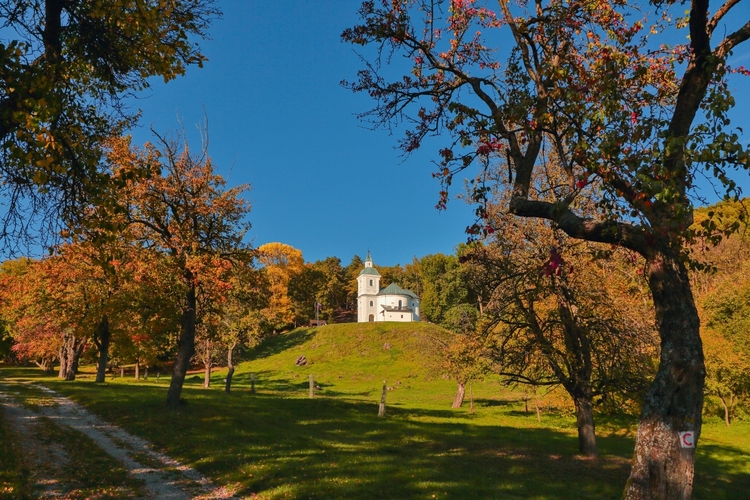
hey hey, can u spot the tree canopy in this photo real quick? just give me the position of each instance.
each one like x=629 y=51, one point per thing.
x=67 y=68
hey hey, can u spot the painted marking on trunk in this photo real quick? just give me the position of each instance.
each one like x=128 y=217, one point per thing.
x=687 y=439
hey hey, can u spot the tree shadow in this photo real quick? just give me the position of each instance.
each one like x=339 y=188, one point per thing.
x=280 y=343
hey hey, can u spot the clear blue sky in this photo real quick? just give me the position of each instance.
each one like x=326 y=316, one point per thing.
x=279 y=120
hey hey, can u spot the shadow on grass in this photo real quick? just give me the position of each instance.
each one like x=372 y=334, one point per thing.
x=280 y=343
x=331 y=448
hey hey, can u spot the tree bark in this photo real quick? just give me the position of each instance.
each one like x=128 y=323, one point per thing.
x=662 y=467
x=186 y=348
x=230 y=368
x=586 y=429
x=102 y=342
x=70 y=353
x=207 y=365
x=458 y=401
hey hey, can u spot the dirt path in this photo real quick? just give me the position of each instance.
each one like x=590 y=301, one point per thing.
x=162 y=477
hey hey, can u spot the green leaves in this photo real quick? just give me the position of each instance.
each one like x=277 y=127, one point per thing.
x=62 y=84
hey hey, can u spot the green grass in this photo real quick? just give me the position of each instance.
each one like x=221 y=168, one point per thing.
x=277 y=443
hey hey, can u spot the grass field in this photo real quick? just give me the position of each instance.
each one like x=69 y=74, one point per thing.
x=277 y=443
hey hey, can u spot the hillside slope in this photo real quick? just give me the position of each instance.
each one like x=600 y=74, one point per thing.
x=353 y=360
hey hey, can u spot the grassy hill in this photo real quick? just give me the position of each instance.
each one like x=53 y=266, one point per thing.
x=279 y=444
x=351 y=361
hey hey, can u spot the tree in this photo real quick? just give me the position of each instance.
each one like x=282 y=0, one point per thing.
x=304 y=290
x=351 y=272
x=282 y=262
x=465 y=355
x=182 y=210
x=35 y=335
x=67 y=67
x=443 y=285
x=332 y=294
x=241 y=323
x=561 y=315
x=579 y=79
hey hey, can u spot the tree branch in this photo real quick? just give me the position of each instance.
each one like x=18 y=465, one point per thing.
x=606 y=231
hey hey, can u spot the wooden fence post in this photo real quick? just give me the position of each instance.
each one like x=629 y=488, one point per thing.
x=252 y=383
x=312 y=386
x=381 y=410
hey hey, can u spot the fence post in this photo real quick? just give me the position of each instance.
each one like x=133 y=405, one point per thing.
x=312 y=386
x=252 y=383
x=381 y=410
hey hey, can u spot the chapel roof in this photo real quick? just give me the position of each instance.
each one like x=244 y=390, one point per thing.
x=394 y=289
x=369 y=270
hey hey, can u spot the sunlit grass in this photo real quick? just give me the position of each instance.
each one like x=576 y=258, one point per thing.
x=277 y=443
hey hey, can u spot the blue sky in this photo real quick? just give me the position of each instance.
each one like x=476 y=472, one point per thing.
x=279 y=120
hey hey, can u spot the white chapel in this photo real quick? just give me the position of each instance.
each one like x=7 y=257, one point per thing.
x=392 y=303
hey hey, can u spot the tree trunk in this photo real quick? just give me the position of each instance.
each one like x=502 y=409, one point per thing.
x=63 y=360
x=137 y=369
x=471 y=397
x=670 y=424
x=186 y=348
x=726 y=409
x=102 y=334
x=230 y=368
x=207 y=374
x=586 y=428
x=207 y=364
x=77 y=351
x=458 y=401
x=70 y=353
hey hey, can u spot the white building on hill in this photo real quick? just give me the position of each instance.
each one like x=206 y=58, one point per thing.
x=392 y=303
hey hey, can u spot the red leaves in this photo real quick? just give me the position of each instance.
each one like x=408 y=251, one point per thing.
x=487 y=147
x=555 y=264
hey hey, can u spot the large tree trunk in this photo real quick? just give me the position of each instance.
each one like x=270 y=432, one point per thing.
x=458 y=401
x=230 y=366
x=102 y=342
x=670 y=424
x=70 y=353
x=186 y=348
x=585 y=422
